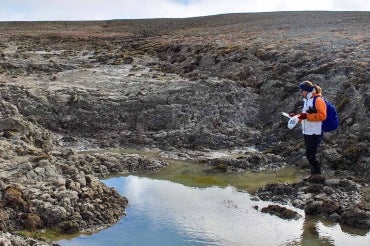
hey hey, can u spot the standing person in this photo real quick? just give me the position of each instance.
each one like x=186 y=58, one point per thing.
x=311 y=120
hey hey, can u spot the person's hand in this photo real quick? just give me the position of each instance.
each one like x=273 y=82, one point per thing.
x=311 y=110
x=302 y=116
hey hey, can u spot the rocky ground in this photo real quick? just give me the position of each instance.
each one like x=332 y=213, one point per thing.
x=174 y=84
x=338 y=200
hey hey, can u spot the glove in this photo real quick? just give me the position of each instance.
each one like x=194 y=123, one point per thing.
x=302 y=116
x=311 y=110
x=292 y=114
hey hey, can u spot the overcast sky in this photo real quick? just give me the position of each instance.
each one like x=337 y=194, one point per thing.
x=33 y=10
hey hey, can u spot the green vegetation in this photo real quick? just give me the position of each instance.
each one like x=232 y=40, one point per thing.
x=45 y=234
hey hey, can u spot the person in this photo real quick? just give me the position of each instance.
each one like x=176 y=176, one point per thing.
x=311 y=120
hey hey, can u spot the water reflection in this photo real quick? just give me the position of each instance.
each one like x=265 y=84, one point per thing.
x=166 y=213
x=214 y=214
x=316 y=231
x=161 y=212
x=166 y=209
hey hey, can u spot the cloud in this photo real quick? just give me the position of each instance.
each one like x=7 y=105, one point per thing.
x=138 y=9
x=220 y=214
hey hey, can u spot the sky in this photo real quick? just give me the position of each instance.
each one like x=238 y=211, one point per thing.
x=43 y=10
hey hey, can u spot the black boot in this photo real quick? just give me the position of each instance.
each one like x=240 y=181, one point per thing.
x=316 y=167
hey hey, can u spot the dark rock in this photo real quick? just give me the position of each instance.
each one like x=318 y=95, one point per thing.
x=316 y=179
x=356 y=218
x=13 y=197
x=32 y=221
x=329 y=207
x=313 y=208
x=315 y=188
x=328 y=190
x=281 y=212
x=69 y=227
x=347 y=185
x=334 y=217
x=279 y=189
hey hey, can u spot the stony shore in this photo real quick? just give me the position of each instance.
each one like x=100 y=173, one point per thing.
x=182 y=86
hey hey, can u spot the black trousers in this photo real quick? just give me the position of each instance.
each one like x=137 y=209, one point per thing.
x=312 y=143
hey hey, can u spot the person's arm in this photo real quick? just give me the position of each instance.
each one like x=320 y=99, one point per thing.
x=320 y=114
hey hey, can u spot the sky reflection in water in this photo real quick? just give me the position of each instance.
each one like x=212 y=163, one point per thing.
x=161 y=212
x=165 y=213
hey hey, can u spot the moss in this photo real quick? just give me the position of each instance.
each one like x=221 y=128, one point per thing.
x=221 y=167
x=206 y=180
x=43 y=235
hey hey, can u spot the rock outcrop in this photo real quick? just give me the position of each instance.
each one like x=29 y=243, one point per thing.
x=338 y=200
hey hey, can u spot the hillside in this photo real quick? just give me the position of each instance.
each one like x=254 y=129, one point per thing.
x=201 y=83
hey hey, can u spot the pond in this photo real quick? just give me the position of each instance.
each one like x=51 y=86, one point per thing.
x=188 y=204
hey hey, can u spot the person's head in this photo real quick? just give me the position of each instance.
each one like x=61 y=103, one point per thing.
x=307 y=87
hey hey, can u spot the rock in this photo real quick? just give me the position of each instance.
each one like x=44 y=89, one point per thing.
x=69 y=227
x=328 y=190
x=26 y=166
x=329 y=207
x=281 y=212
x=8 y=239
x=256 y=161
x=13 y=197
x=299 y=203
x=332 y=182
x=32 y=221
x=53 y=214
x=92 y=182
x=315 y=188
x=279 y=189
x=356 y=218
x=316 y=179
x=332 y=156
x=333 y=199
x=347 y=185
x=313 y=208
x=334 y=217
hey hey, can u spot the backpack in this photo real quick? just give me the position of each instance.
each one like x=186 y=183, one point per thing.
x=331 y=122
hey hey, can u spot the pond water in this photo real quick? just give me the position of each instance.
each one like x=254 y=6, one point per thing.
x=188 y=204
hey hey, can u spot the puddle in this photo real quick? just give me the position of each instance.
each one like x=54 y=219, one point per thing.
x=188 y=203
x=162 y=212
